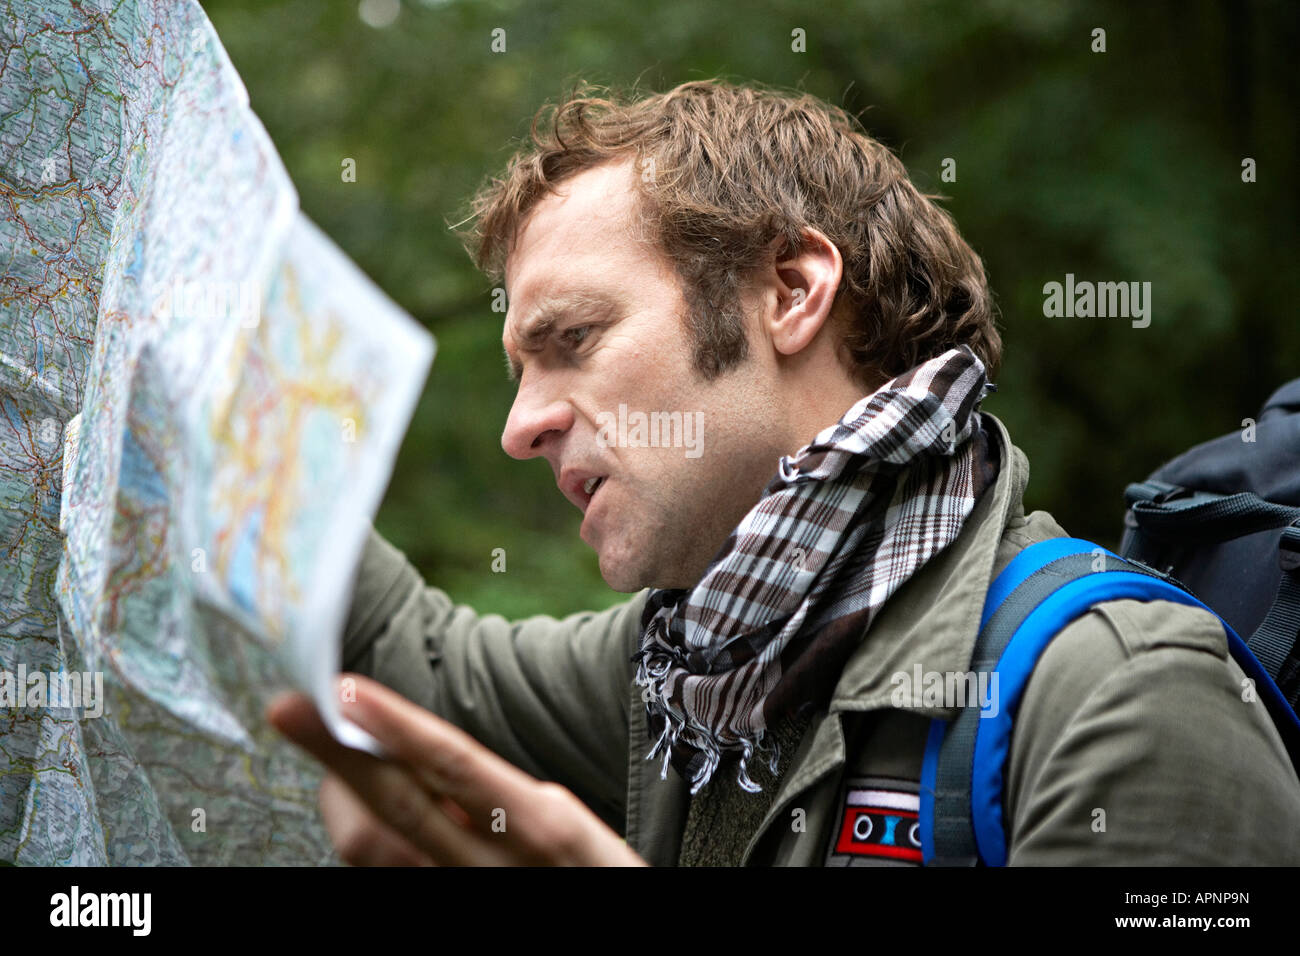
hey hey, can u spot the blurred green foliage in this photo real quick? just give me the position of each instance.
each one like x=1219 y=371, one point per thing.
x=1115 y=166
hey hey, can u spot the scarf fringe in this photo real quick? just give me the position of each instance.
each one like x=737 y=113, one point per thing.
x=652 y=673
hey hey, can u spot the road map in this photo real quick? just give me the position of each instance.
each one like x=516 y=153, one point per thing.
x=201 y=399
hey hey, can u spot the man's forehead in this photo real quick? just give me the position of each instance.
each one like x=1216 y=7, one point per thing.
x=587 y=213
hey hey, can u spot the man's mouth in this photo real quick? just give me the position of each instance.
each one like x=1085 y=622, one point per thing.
x=589 y=489
x=581 y=486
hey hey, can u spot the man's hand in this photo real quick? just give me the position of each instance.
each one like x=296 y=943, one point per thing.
x=442 y=798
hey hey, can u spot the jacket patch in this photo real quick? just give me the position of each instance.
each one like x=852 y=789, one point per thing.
x=879 y=819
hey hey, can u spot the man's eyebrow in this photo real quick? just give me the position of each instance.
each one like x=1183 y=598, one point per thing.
x=534 y=332
x=530 y=339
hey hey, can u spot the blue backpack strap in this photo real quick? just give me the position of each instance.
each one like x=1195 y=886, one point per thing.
x=1043 y=589
x=947 y=834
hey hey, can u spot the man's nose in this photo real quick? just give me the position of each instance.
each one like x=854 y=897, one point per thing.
x=532 y=420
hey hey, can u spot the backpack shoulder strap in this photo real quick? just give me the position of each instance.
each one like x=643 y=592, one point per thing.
x=1043 y=589
x=1276 y=642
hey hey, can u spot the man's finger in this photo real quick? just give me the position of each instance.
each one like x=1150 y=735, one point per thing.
x=447 y=759
x=295 y=716
x=360 y=837
x=396 y=797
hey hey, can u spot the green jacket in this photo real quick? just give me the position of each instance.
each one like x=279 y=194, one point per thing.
x=1132 y=745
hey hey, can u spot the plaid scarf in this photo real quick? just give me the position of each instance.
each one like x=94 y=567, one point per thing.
x=845 y=522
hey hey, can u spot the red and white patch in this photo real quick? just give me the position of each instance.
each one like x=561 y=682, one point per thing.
x=880 y=822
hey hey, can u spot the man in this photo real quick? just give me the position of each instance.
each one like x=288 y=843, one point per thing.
x=752 y=261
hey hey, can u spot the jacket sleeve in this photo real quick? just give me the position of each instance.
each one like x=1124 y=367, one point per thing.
x=1138 y=743
x=549 y=695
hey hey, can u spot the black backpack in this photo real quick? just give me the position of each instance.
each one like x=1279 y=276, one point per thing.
x=1220 y=523
x=1223 y=518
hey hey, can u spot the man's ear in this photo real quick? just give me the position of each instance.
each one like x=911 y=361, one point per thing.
x=804 y=282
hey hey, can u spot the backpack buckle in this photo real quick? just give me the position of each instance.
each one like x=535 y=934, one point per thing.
x=1154 y=492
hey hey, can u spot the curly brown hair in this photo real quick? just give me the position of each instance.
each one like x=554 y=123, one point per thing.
x=730 y=170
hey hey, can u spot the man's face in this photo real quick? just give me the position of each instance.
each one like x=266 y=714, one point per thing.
x=595 y=323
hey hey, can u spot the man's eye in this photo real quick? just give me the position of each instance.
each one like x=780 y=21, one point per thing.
x=576 y=335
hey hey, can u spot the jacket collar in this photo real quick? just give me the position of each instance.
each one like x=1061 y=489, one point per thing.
x=933 y=619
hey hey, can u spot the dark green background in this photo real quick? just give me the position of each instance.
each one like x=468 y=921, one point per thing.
x=1115 y=166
